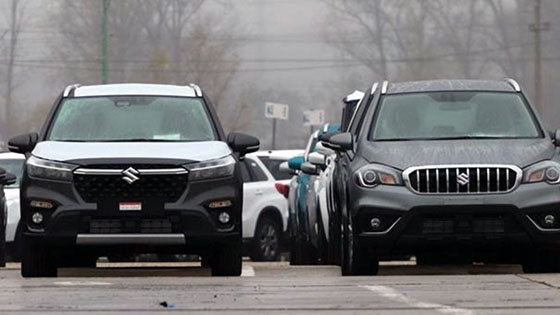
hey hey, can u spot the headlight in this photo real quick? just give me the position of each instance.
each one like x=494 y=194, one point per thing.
x=546 y=171
x=40 y=168
x=223 y=167
x=372 y=175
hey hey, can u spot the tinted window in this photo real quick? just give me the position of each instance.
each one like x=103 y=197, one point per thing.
x=449 y=115
x=256 y=173
x=273 y=166
x=15 y=167
x=132 y=118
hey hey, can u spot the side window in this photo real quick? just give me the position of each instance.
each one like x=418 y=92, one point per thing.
x=256 y=173
x=245 y=172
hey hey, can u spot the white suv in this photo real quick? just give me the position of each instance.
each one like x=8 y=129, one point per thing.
x=265 y=207
x=13 y=164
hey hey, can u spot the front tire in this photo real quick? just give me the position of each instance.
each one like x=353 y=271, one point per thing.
x=37 y=261
x=266 y=242
x=542 y=262
x=356 y=261
x=227 y=261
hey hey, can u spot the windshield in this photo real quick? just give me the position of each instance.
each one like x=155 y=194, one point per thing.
x=132 y=118
x=14 y=167
x=453 y=115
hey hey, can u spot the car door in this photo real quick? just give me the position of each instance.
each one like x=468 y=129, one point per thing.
x=255 y=188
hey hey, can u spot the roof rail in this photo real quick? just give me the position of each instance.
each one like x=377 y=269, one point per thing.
x=196 y=89
x=374 y=87
x=69 y=90
x=385 y=87
x=513 y=84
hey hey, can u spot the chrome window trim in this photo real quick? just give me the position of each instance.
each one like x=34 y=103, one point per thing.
x=162 y=171
x=69 y=89
x=196 y=88
x=541 y=228
x=410 y=170
x=383 y=232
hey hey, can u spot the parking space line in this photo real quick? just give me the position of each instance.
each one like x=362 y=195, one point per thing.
x=397 y=296
x=248 y=271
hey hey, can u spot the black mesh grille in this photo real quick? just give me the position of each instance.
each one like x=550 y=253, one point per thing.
x=93 y=188
x=463 y=180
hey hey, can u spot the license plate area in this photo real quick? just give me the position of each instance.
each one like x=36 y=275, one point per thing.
x=119 y=207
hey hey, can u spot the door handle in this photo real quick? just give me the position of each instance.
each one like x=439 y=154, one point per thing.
x=258 y=192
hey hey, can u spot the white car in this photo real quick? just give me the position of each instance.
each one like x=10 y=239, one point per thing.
x=12 y=163
x=265 y=207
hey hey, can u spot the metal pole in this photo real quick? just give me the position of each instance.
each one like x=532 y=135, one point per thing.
x=105 y=43
x=273 y=133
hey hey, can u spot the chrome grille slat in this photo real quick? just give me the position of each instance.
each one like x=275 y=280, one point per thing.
x=501 y=182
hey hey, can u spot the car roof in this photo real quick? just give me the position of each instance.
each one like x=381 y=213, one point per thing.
x=449 y=85
x=134 y=89
x=279 y=154
x=11 y=156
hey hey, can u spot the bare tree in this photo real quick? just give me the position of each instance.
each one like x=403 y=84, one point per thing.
x=10 y=38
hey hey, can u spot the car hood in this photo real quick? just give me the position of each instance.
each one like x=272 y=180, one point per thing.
x=81 y=152
x=404 y=154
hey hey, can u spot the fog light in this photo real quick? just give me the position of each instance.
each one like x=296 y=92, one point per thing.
x=375 y=223
x=224 y=217
x=37 y=218
x=549 y=220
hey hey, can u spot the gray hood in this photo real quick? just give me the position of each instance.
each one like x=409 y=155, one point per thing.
x=180 y=151
x=404 y=154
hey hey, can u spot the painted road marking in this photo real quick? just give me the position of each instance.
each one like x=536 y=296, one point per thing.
x=247 y=271
x=397 y=296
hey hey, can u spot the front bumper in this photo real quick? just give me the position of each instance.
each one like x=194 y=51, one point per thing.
x=188 y=224
x=498 y=223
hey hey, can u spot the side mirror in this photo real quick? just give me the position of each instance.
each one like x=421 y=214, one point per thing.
x=340 y=142
x=9 y=179
x=23 y=143
x=317 y=159
x=284 y=168
x=296 y=162
x=309 y=168
x=557 y=137
x=242 y=143
x=320 y=148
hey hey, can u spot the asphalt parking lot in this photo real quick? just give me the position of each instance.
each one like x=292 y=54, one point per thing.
x=401 y=288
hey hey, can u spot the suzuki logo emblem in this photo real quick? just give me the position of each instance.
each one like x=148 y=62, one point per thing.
x=463 y=179
x=130 y=175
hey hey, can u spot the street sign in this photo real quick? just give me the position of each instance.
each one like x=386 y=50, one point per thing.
x=313 y=117
x=276 y=111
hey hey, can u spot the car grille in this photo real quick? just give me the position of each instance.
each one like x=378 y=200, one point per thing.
x=463 y=179
x=94 y=187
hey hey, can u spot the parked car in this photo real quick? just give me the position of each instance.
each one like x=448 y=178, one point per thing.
x=265 y=210
x=448 y=169
x=351 y=101
x=131 y=168
x=13 y=164
x=5 y=180
x=272 y=159
x=306 y=225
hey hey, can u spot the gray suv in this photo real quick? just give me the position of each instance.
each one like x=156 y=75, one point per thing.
x=449 y=171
